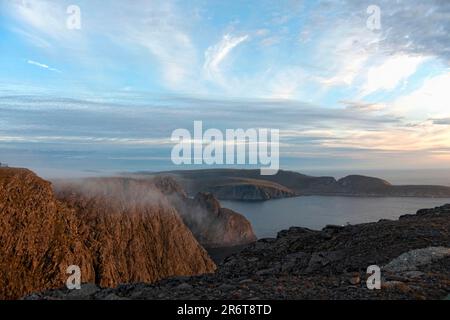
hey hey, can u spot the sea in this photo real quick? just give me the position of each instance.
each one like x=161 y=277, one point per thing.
x=315 y=212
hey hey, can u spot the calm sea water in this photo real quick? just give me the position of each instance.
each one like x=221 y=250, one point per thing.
x=315 y=212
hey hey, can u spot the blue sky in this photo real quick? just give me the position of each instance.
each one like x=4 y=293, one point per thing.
x=107 y=96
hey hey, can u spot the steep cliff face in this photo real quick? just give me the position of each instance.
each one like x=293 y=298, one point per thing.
x=116 y=231
x=133 y=232
x=39 y=237
x=212 y=225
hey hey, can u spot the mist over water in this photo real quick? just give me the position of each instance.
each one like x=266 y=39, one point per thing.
x=315 y=212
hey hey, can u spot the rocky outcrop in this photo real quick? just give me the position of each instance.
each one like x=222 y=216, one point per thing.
x=116 y=231
x=249 y=185
x=328 y=264
x=212 y=225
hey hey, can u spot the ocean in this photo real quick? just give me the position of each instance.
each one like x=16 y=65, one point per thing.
x=315 y=212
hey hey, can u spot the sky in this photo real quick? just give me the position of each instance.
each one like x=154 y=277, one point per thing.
x=348 y=88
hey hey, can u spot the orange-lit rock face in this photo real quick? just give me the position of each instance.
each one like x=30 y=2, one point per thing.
x=39 y=236
x=133 y=231
x=112 y=239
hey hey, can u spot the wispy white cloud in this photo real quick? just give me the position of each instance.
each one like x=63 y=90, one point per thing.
x=163 y=30
x=157 y=27
x=160 y=36
x=43 y=21
x=216 y=54
x=344 y=52
x=43 y=66
x=33 y=38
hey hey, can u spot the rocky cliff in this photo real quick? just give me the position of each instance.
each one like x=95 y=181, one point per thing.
x=122 y=233
x=39 y=236
x=133 y=231
x=212 y=225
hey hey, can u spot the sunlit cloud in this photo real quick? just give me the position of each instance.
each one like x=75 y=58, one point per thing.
x=390 y=73
x=428 y=101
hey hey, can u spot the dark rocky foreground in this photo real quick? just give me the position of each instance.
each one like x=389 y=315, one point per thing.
x=413 y=253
